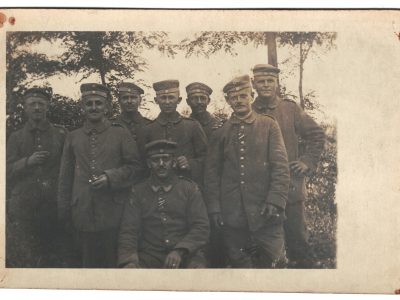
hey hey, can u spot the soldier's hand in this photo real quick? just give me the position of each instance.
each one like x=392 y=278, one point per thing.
x=298 y=167
x=217 y=221
x=38 y=158
x=100 y=182
x=183 y=163
x=174 y=259
x=271 y=212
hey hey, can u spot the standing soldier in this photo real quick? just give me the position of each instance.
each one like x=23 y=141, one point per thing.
x=198 y=98
x=165 y=222
x=247 y=180
x=294 y=123
x=129 y=97
x=33 y=161
x=170 y=125
x=100 y=161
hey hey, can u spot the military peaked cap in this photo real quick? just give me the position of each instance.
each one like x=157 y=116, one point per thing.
x=198 y=87
x=44 y=93
x=160 y=147
x=94 y=89
x=166 y=86
x=129 y=88
x=237 y=84
x=265 y=69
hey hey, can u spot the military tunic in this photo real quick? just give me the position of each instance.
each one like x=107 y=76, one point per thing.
x=215 y=252
x=186 y=132
x=133 y=123
x=208 y=122
x=244 y=170
x=295 y=124
x=88 y=152
x=32 y=207
x=158 y=219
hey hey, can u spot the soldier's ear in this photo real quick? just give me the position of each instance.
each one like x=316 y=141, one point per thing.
x=174 y=163
x=155 y=100
x=148 y=163
x=252 y=83
x=226 y=98
x=179 y=99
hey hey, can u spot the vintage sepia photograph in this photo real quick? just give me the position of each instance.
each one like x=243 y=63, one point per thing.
x=254 y=195
x=230 y=149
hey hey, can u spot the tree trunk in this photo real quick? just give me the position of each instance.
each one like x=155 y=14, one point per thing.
x=95 y=44
x=301 y=77
x=270 y=39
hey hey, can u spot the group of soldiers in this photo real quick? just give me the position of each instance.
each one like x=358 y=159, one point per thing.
x=174 y=192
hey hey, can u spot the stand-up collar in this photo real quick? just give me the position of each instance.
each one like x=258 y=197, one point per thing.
x=204 y=118
x=262 y=105
x=164 y=118
x=156 y=185
x=249 y=118
x=129 y=118
x=41 y=126
x=97 y=127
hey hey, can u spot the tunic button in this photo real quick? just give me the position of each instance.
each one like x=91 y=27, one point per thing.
x=242 y=174
x=164 y=219
x=167 y=241
x=241 y=157
x=92 y=168
x=242 y=166
x=242 y=182
x=241 y=149
x=242 y=127
x=242 y=142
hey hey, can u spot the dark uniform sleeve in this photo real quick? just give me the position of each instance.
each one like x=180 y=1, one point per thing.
x=16 y=165
x=198 y=223
x=132 y=169
x=314 y=136
x=129 y=232
x=212 y=173
x=279 y=168
x=200 y=149
x=65 y=180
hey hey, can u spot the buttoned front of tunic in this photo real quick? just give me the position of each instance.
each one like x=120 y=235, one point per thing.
x=158 y=219
x=28 y=181
x=246 y=167
x=186 y=132
x=89 y=152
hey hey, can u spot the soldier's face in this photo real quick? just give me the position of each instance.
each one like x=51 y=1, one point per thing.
x=161 y=165
x=94 y=107
x=36 y=108
x=265 y=85
x=129 y=102
x=168 y=102
x=240 y=101
x=198 y=102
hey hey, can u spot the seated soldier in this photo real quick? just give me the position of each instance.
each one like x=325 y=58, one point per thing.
x=165 y=222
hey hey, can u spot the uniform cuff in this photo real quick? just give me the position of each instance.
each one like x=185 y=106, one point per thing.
x=309 y=163
x=133 y=258
x=277 y=200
